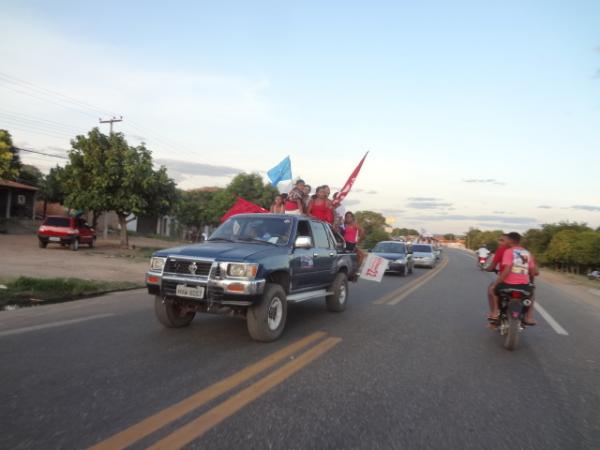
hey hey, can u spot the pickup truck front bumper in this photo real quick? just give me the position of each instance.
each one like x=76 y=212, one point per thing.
x=222 y=291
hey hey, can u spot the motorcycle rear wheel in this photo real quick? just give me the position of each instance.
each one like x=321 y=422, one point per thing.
x=512 y=336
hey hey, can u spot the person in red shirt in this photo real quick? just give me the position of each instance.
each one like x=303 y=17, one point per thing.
x=496 y=266
x=352 y=231
x=294 y=204
x=321 y=207
x=518 y=269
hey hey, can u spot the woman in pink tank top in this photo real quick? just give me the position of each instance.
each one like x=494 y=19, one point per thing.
x=352 y=231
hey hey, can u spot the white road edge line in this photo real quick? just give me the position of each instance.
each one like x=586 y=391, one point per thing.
x=553 y=323
x=52 y=325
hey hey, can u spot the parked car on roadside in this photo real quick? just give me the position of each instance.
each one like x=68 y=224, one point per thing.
x=66 y=231
x=424 y=255
x=398 y=254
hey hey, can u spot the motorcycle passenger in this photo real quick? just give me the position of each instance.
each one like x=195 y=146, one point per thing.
x=518 y=271
x=496 y=266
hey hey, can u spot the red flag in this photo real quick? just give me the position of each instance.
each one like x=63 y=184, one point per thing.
x=346 y=189
x=242 y=206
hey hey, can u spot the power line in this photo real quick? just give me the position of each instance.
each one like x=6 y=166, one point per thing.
x=50 y=93
x=39 y=153
x=32 y=118
x=56 y=98
x=38 y=131
x=37 y=124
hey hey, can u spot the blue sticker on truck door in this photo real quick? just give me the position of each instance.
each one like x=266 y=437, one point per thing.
x=307 y=261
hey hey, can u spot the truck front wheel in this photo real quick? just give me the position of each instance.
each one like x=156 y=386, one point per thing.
x=336 y=302
x=266 y=320
x=170 y=313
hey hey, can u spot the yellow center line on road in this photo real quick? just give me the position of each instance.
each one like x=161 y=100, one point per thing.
x=155 y=422
x=216 y=415
x=400 y=294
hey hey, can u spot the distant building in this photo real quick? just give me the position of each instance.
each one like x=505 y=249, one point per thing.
x=17 y=200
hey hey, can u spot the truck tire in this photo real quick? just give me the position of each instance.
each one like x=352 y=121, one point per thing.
x=92 y=242
x=168 y=313
x=75 y=245
x=42 y=243
x=266 y=320
x=336 y=302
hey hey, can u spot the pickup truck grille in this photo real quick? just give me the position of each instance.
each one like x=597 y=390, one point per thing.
x=186 y=267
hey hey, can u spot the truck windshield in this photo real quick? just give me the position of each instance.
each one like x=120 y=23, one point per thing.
x=274 y=230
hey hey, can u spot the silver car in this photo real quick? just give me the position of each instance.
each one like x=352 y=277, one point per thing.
x=424 y=255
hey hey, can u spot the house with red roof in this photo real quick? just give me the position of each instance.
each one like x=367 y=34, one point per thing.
x=17 y=200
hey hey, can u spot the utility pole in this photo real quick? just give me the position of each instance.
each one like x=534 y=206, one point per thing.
x=110 y=121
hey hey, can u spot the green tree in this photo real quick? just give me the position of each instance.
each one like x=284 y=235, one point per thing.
x=9 y=158
x=30 y=175
x=193 y=208
x=250 y=186
x=51 y=190
x=472 y=237
x=476 y=238
x=450 y=237
x=561 y=250
x=373 y=225
x=404 y=232
x=106 y=174
x=537 y=240
x=85 y=179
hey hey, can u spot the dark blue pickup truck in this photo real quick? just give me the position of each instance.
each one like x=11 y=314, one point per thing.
x=253 y=265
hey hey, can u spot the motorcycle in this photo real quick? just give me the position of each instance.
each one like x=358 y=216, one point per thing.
x=482 y=262
x=514 y=304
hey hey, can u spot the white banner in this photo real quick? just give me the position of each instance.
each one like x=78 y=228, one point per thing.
x=374 y=268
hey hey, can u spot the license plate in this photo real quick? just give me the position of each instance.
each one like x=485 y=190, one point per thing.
x=189 y=291
x=54 y=239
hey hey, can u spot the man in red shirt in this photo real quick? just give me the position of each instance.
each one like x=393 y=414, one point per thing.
x=496 y=265
x=518 y=270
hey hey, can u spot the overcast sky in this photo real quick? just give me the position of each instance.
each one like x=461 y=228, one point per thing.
x=483 y=114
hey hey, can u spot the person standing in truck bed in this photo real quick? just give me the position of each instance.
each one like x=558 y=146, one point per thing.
x=295 y=199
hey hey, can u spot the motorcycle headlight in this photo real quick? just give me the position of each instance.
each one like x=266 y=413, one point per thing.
x=157 y=263
x=241 y=270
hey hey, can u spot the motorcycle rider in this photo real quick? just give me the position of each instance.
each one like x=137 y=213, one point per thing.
x=483 y=252
x=496 y=266
x=518 y=270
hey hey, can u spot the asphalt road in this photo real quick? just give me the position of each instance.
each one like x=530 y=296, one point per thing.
x=410 y=364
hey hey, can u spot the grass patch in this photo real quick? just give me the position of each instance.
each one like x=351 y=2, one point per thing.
x=26 y=291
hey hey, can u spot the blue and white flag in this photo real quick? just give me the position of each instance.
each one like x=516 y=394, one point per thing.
x=281 y=172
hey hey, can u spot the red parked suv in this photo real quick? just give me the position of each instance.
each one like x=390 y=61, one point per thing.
x=70 y=231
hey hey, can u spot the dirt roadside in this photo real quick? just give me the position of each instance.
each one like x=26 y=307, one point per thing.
x=21 y=256
x=587 y=290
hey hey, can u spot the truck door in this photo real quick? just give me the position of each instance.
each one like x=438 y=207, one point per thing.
x=324 y=254
x=302 y=263
x=85 y=235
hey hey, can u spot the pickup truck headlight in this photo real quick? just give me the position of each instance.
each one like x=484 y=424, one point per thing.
x=241 y=270
x=157 y=263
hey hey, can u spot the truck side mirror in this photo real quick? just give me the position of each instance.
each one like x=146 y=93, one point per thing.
x=303 y=242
